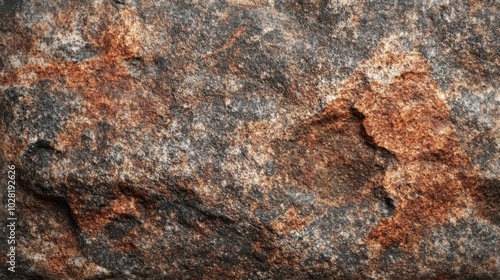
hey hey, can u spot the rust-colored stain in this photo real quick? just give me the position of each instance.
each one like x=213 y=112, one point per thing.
x=93 y=221
x=230 y=41
x=291 y=220
x=387 y=129
x=431 y=179
x=104 y=80
x=284 y=147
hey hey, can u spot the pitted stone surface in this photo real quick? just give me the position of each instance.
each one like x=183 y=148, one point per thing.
x=252 y=139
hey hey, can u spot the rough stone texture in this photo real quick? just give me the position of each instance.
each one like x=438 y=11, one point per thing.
x=252 y=139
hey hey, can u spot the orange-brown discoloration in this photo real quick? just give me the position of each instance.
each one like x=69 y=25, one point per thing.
x=234 y=37
x=58 y=250
x=291 y=220
x=331 y=154
x=404 y=115
x=93 y=221
x=390 y=102
x=425 y=194
x=407 y=117
x=103 y=81
x=125 y=205
x=230 y=176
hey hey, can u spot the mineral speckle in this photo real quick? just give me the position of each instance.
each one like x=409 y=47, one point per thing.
x=252 y=139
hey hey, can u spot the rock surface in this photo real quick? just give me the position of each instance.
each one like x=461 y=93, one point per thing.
x=252 y=139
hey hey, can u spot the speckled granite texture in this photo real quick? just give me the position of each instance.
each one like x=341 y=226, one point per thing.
x=252 y=139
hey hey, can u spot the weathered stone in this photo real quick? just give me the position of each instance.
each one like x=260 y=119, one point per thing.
x=251 y=139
